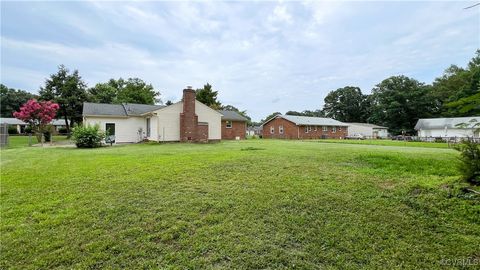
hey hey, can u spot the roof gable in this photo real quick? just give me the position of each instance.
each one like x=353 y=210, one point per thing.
x=232 y=116
x=365 y=125
x=125 y=109
x=309 y=121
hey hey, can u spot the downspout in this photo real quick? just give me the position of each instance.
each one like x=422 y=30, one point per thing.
x=298 y=132
x=158 y=128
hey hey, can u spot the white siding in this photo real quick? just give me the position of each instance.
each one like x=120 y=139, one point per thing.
x=363 y=130
x=166 y=123
x=366 y=131
x=382 y=132
x=126 y=129
x=212 y=117
x=445 y=132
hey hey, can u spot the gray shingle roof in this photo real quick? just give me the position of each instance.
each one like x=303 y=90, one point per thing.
x=125 y=109
x=365 y=125
x=232 y=116
x=441 y=123
x=310 y=121
x=15 y=121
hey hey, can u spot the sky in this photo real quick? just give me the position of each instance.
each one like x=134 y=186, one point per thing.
x=262 y=57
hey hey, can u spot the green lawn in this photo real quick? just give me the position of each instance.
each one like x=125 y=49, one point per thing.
x=235 y=205
x=389 y=143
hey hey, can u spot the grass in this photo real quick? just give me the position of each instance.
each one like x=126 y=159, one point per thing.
x=242 y=205
x=22 y=141
x=389 y=143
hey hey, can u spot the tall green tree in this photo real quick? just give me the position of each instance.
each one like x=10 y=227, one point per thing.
x=12 y=99
x=346 y=104
x=235 y=109
x=68 y=90
x=135 y=90
x=270 y=116
x=456 y=91
x=316 y=113
x=208 y=96
x=398 y=103
x=132 y=90
x=103 y=93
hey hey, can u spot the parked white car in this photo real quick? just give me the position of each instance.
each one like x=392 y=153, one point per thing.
x=355 y=136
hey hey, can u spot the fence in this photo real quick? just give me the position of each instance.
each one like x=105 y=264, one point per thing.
x=3 y=135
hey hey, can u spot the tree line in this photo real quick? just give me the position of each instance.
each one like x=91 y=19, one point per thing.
x=69 y=91
x=396 y=102
x=399 y=101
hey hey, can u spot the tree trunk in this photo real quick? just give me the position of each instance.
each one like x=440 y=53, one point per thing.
x=67 y=126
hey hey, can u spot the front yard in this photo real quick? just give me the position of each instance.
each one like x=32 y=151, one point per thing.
x=249 y=204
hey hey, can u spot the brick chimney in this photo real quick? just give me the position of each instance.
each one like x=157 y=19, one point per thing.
x=188 y=118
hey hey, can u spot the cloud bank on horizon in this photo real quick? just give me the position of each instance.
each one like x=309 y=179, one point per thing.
x=261 y=56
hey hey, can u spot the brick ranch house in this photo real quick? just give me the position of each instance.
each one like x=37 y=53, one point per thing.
x=234 y=125
x=303 y=127
x=186 y=121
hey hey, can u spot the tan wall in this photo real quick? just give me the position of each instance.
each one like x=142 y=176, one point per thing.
x=126 y=129
x=166 y=122
x=212 y=117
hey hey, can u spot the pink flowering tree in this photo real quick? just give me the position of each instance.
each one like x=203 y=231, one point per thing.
x=38 y=115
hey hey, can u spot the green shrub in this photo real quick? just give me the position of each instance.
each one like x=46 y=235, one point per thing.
x=87 y=136
x=12 y=130
x=469 y=161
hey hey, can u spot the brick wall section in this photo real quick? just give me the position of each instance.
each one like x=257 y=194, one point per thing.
x=188 y=118
x=292 y=131
x=238 y=129
x=202 y=132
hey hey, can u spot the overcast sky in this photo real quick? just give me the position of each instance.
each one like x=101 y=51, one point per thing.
x=261 y=56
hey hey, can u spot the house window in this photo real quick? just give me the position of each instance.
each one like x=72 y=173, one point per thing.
x=325 y=128
x=339 y=128
x=280 y=129
x=309 y=128
x=334 y=129
x=110 y=133
x=228 y=124
x=272 y=129
x=306 y=129
x=148 y=127
x=315 y=128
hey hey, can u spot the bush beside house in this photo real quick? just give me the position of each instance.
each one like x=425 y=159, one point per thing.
x=88 y=136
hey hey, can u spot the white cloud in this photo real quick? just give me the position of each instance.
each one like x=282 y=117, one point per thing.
x=261 y=56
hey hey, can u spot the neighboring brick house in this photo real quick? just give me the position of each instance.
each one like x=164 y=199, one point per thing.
x=303 y=127
x=234 y=125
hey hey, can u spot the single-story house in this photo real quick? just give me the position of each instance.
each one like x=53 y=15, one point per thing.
x=303 y=127
x=187 y=121
x=234 y=125
x=254 y=130
x=20 y=125
x=448 y=127
x=367 y=130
